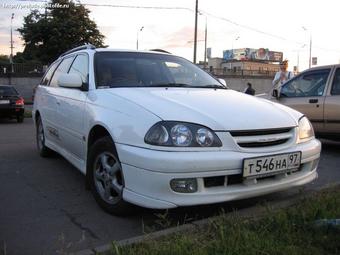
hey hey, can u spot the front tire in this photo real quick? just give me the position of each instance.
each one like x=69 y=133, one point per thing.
x=40 y=138
x=105 y=177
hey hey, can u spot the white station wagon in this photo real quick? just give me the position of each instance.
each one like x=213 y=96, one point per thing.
x=154 y=130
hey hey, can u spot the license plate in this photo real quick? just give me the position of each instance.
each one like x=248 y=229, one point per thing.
x=269 y=165
x=4 y=101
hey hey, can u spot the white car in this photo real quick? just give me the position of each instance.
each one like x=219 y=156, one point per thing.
x=154 y=130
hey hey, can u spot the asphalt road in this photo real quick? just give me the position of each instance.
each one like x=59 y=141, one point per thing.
x=45 y=208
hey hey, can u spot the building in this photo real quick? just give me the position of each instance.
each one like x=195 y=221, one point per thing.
x=246 y=61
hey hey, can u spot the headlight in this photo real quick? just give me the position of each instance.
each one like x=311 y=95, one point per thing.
x=204 y=137
x=180 y=134
x=306 y=131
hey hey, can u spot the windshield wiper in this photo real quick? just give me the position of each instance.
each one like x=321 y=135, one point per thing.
x=215 y=86
x=183 y=85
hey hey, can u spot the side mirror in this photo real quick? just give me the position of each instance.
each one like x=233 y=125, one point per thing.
x=70 y=80
x=276 y=94
x=223 y=82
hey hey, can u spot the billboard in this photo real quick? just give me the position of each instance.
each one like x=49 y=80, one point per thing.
x=253 y=54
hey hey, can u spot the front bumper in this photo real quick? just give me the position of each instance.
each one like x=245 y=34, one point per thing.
x=147 y=175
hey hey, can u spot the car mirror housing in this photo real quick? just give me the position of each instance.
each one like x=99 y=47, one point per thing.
x=70 y=80
x=223 y=82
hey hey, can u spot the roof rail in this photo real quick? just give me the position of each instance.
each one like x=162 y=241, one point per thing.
x=160 y=50
x=82 y=47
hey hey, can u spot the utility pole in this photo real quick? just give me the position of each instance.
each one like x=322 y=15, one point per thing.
x=310 y=50
x=139 y=30
x=11 y=56
x=195 y=36
x=310 y=46
x=205 y=43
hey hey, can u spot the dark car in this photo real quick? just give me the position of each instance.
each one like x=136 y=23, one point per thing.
x=11 y=103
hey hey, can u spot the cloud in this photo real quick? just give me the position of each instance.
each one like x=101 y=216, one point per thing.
x=182 y=38
x=5 y=43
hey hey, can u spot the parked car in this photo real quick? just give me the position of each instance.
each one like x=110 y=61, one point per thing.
x=154 y=130
x=11 y=103
x=316 y=93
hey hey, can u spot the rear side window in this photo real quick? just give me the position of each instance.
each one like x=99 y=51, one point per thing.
x=62 y=68
x=49 y=73
x=81 y=66
x=336 y=83
x=8 y=91
x=309 y=84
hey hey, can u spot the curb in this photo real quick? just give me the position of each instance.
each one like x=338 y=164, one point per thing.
x=255 y=211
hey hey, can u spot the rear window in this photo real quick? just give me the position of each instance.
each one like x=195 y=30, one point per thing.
x=8 y=91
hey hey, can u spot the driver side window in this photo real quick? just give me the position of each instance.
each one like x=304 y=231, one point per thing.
x=309 y=84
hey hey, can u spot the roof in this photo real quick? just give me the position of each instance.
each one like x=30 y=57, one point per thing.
x=91 y=47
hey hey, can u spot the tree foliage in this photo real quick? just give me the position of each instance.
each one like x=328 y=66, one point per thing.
x=48 y=34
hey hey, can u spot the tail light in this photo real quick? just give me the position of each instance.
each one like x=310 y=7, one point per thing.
x=20 y=101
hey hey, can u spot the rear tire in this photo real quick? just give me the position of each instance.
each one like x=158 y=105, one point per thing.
x=105 y=177
x=40 y=138
x=20 y=119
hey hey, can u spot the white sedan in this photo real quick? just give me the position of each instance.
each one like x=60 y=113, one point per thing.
x=154 y=130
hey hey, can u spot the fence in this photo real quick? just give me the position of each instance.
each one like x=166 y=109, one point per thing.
x=37 y=70
x=223 y=72
x=21 y=70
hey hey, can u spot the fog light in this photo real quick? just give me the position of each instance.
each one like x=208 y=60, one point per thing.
x=315 y=164
x=188 y=185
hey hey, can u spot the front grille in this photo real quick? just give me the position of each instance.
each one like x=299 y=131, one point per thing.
x=262 y=144
x=262 y=138
x=260 y=132
x=214 y=181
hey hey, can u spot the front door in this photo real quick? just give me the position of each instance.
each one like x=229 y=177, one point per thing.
x=332 y=106
x=72 y=108
x=306 y=93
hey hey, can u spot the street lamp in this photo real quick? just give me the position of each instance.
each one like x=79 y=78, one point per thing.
x=310 y=46
x=11 y=56
x=232 y=44
x=298 y=57
x=205 y=39
x=195 y=35
x=139 y=30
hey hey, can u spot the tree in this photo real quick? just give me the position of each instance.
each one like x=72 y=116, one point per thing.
x=49 y=34
x=4 y=59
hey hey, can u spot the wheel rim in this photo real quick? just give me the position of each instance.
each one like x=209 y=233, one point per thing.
x=108 y=177
x=40 y=135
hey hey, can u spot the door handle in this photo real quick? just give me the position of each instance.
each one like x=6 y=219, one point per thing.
x=58 y=102
x=313 y=101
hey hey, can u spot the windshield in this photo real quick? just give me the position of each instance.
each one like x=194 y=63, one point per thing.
x=130 y=69
x=8 y=91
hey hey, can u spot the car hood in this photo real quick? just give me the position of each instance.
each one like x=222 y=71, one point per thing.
x=218 y=109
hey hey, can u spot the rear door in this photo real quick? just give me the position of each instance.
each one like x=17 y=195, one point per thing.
x=332 y=106
x=306 y=93
x=45 y=103
x=53 y=94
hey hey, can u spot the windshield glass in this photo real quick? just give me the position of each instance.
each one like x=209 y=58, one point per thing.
x=130 y=69
x=8 y=91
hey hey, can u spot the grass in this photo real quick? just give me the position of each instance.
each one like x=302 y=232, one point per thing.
x=290 y=231
x=28 y=114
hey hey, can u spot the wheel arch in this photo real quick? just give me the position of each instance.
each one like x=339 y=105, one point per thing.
x=96 y=132
x=36 y=116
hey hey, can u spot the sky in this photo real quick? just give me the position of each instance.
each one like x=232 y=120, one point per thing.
x=285 y=26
